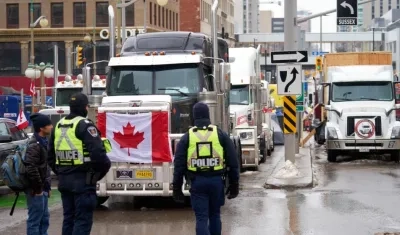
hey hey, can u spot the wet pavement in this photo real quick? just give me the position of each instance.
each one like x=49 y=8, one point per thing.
x=350 y=197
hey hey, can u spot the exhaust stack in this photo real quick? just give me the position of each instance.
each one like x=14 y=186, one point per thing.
x=111 y=21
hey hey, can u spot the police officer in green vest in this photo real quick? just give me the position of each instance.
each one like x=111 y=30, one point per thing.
x=202 y=156
x=78 y=157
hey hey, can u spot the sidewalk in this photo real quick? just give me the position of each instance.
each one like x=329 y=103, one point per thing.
x=299 y=176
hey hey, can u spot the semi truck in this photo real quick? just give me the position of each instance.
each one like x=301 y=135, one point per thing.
x=164 y=72
x=64 y=90
x=359 y=105
x=248 y=97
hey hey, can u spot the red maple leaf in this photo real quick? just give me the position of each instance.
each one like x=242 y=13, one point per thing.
x=128 y=139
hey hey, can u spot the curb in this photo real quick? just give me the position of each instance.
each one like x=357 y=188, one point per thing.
x=304 y=162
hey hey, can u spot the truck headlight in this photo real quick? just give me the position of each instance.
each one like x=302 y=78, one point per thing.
x=246 y=135
x=332 y=134
x=395 y=133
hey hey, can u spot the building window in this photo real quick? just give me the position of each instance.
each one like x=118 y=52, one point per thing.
x=163 y=17
x=170 y=20
x=12 y=16
x=159 y=16
x=129 y=15
x=79 y=14
x=10 y=58
x=37 y=12
x=101 y=14
x=57 y=15
x=151 y=13
x=167 y=19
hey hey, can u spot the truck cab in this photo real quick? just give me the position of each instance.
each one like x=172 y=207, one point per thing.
x=361 y=111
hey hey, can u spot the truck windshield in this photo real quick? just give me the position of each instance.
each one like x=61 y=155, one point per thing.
x=172 y=79
x=63 y=95
x=98 y=91
x=239 y=94
x=358 y=91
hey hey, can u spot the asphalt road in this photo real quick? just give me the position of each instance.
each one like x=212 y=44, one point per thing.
x=350 y=197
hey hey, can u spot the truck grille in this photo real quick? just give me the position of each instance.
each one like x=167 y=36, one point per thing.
x=56 y=118
x=350 y=124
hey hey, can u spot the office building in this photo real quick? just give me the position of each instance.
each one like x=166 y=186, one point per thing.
x=69 y=21
x=247 y=16
x=376 y=9
x=201 y=20
x=265 y=21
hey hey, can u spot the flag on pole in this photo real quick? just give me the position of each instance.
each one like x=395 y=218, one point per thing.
x=32 y=88
x=22 y=123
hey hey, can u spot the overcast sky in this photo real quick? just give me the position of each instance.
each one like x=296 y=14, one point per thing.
x=315 y=6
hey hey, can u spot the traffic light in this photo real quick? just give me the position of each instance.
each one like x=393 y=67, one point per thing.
x=318 y=64
x=79 y=56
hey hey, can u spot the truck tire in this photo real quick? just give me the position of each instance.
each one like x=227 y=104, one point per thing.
x=263 y=151
x=395 y=156
x=332 y=154
x=101 y=200
x=239 y=153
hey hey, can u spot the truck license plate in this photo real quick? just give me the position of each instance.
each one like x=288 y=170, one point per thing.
x=124 y=174
x=364 y=150
x=144 y=174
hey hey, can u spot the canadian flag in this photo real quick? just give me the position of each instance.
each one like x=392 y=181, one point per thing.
x=139 y=138
x=22 y=123
x=32 y=88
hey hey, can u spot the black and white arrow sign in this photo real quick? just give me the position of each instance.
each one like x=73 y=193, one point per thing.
x=346 y=5
x=289 y=79
x=288 y=56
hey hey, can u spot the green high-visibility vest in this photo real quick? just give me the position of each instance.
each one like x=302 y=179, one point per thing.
x=68 y=148
x=205 y=152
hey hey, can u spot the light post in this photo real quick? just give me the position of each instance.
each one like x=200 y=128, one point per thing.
x=123 y=6
x=41 y=71
x=43 y=22
x=91 y=40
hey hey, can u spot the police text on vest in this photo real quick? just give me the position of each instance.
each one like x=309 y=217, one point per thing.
x=67 y=155
x=205 y=162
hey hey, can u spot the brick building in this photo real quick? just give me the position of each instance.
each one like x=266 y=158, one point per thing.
x=68 y=22
x=196 y=16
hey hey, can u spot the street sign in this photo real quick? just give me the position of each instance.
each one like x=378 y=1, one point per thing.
x=289 y=115
x=346 y=12
x=278 y=57
x=300 y=98
x=317 y=53
x=289 y=79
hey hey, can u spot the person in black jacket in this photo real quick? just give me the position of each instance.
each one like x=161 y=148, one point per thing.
x=38 y=176
x=77 y=156
x=202 y=155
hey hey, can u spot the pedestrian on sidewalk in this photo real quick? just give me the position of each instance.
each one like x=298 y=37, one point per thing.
x=203 y=155
x=38 y=176
x=78 y=157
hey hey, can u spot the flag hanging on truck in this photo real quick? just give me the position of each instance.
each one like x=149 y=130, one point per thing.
x=139 y=138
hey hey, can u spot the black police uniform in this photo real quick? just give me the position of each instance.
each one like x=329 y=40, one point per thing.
x=207 y=188
x=77 y=183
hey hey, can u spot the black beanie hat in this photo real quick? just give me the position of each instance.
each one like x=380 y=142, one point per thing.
x=201 y=111
x=39 y=121
x=78 y=103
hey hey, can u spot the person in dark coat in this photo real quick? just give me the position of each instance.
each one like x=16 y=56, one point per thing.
x=78 y=157
x=38 y=176
x=202 y=156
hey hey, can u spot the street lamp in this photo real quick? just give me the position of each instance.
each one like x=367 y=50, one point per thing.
x=43 y=22
x=43 y=71
x=123 y=5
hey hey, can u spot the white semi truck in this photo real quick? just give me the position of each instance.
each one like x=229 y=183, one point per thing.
x=163 y=72
x=248 y=98
x=360 y=105
x=64 y=90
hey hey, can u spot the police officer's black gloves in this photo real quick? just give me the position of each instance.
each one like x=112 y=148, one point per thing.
x=178 y=196
x=233 y=190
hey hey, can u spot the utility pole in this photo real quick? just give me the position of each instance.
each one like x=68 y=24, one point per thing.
x=290 y=12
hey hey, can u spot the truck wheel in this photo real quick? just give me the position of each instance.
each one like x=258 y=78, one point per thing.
x=101 y=200
x=395 y=156
x=239 y=153
x=332 y=154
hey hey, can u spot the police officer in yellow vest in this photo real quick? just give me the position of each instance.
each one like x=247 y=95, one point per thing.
x=77 y=156
x=202 y=156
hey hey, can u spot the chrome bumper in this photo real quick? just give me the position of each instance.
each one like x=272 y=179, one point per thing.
x=351 y=144
x=249 y=156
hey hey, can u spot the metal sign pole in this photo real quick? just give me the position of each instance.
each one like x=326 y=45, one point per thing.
x=290 y=44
